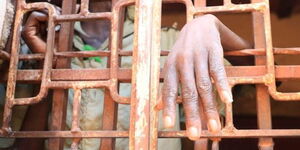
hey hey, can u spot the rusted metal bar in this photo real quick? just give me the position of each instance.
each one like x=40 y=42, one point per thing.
x=155 y=72
x=113 y=87
x=227 y=2
x=264 y=115
x=261 y=52
x=254 y=133
x=78 y=84
x=60 y=96
x=140 y=98
x=270 y=63
x=109 y=120
x=239 y=74
x=145 y=74
x=81 y=17
x=68 y=134
x=215 y=145
x=75 y=118
x=84 y=7
x=228 y=117
x=264 y=119
x=110 y=108
x=232 y=8
x=246 y=52
x=11 y=85
x=76 y=109
x=11 y=82
x=200 y=3
x=75 y=144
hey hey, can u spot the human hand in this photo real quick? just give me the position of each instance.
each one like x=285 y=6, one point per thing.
x=196 y=56
x=34 y=31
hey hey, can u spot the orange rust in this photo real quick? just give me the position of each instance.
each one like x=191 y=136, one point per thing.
x=143 y=99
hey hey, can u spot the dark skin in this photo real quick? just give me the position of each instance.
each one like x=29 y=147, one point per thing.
x=196 y=57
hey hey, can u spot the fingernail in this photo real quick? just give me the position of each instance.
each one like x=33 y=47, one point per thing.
x=213 y=125
x=168 y=122
x=227 y=97
x=193 y=133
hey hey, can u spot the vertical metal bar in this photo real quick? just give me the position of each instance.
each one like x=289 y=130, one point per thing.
x=264 y=114
x=200 y=3
x=60 y=96
x=113 y=2
x=84 y=7
x=229 y=115
x=76 y=110
x=155 y=72
x=262 y=96
x=202 y=143
x=140 y=105
x=215 y=145
x=109 y=120
x=75 y=143
x=110 y=108
x=75 y=117
x=227 y=2
x=11 y=81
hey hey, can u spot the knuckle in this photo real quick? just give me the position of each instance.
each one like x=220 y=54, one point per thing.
x=170 y=91
x=215 y=45
x=26 y=32
x=189 y=94
x=217 y=69
x=183 y=58
x=207 y=19
x=204 y=86
x=211 y=108
x=169 y=62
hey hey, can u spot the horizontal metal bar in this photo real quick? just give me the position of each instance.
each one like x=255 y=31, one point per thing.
x=287 y=51
x=91 y=53
x=237 y=133
x=246 y=52
x=262 y=52
x=66 y=134
x=253 y=133
x=77 y=84
x=80 y=17
x=232 y=8
x=124 y=75
x=82 y=54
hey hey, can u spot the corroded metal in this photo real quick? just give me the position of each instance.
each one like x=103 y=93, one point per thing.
x=145 y=75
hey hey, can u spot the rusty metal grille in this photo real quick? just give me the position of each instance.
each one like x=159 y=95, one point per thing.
x=145 y=68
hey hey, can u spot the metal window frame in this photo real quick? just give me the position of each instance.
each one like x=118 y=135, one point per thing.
x=143 y=131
